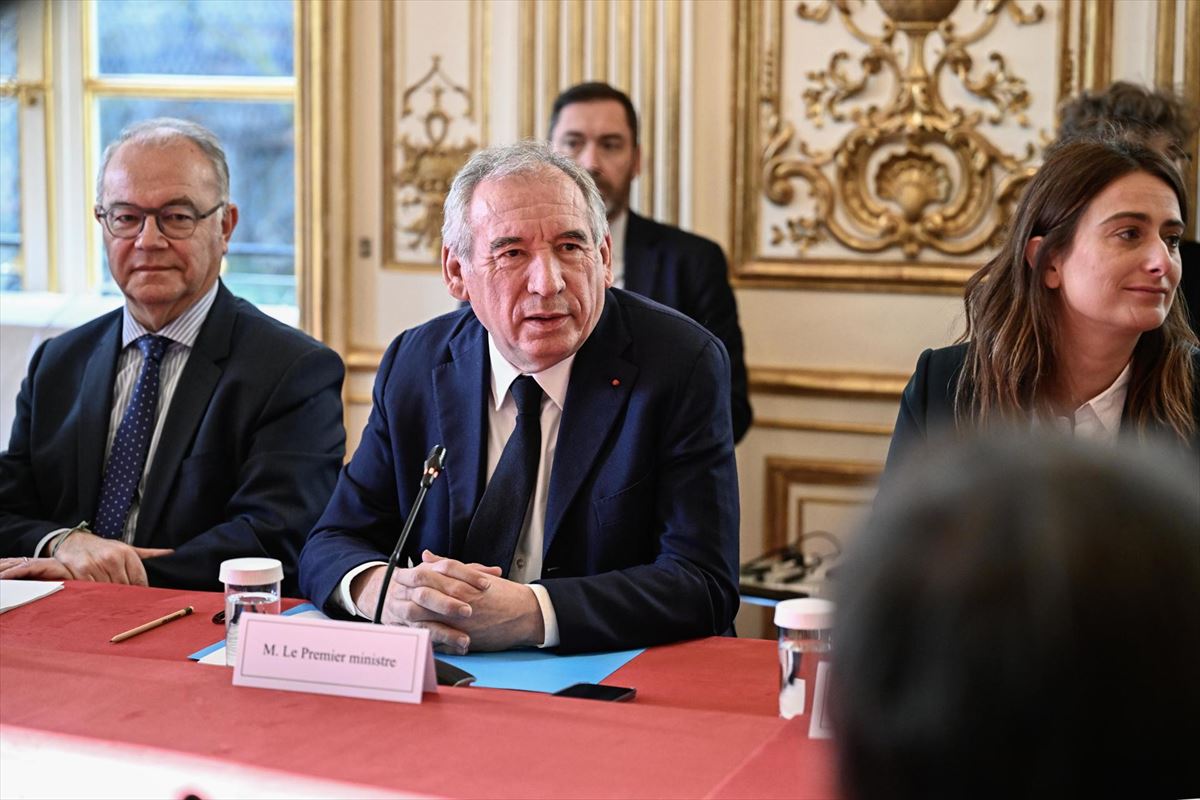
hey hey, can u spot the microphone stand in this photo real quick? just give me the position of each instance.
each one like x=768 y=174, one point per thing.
x=433 y=467
x=447 y=674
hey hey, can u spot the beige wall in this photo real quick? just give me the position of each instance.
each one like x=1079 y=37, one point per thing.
x=831 y=332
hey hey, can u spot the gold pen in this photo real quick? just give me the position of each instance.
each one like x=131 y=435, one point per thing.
x=183 y=612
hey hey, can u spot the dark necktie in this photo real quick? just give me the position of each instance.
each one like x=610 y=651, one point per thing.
x=496 y=526
x=127 y=458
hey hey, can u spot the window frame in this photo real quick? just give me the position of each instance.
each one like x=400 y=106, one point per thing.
x=72 y=88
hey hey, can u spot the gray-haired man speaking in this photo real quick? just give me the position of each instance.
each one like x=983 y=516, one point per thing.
x=589 y=499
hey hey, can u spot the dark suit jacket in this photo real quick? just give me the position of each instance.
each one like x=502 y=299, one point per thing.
x=641 y=529
x=247 y=458
x=927 y=405
x=689 y=274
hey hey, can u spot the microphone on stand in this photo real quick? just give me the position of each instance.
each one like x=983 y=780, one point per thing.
x=433 y=467
x=447 y=674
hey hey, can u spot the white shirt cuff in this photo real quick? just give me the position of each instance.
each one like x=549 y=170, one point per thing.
x=37 y=551
x=343 y=594
x=549 y=618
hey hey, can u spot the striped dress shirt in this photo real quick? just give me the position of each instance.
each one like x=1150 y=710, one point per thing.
x=182 y=332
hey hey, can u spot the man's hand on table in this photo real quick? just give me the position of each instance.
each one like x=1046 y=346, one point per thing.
x=90 y=557
x=34 y=569
x=464 y=606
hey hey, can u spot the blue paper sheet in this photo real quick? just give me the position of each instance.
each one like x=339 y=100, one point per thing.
x=202 y=652
x=538 y=670
x=759 y=601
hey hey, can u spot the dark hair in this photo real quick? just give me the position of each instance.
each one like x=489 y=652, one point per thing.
x=1011 y=320
x=1132 y=108
x=1019 y=619
x=591 y=92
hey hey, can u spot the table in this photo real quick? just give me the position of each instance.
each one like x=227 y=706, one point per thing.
x=704 y=723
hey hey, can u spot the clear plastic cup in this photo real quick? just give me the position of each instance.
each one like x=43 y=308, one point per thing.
x=251 y=587
x=805 y=644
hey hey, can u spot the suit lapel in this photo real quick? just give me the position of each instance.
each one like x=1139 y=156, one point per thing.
x=460 y=389
x=641 y=255
x=601 y=382
x=188 y=405
x=95 y=406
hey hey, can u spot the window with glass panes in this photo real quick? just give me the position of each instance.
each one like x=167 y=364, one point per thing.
x=229 y=65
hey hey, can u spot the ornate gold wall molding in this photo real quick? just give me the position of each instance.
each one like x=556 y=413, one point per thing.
x=915 y=190
x=822 y=426
x=784 y=473
x=841 y=384
x=848 y=384
x=431 y=127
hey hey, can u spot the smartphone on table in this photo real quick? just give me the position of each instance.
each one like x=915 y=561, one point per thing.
x=597 y=691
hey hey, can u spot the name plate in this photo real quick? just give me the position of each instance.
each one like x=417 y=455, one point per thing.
x=297 y=654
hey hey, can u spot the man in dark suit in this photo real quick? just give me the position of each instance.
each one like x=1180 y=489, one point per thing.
x=187 y=427
x=590 y=494
x=596 y=125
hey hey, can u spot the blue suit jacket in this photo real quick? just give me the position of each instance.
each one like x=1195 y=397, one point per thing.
x=641 y=529
x=689 y=274
x=247 y=458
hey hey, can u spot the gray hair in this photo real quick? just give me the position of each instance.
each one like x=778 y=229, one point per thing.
x=163 y=130
x=523 y=159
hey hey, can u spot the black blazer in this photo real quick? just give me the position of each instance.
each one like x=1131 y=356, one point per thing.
x=641 y=529
x=689 y=273
x=248 y=455
x=927 y=405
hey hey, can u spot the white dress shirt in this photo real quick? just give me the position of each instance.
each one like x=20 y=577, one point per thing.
x=616 y=229
x=182 y=331
x=502 y=420
x=1099 y=419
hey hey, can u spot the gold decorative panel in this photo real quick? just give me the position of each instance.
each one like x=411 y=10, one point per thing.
x=883 y=145
x=843 y=487
x=434 y=116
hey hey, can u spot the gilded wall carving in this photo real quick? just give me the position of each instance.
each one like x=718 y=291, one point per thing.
x=891 y=154
x=428 y=160
x=434 y=117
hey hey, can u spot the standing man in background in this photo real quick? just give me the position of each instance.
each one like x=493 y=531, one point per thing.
x=183 y=429
x=596 y=125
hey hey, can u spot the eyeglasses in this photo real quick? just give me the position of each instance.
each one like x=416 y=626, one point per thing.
x=178 y=221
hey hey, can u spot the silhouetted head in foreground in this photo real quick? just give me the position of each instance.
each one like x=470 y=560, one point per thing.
x=1021 y=619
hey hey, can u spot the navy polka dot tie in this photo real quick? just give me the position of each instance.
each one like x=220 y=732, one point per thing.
x=123 y=471
x=496 y=527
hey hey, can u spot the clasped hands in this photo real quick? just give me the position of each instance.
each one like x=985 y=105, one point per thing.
x=464 y=606
x=84 y=556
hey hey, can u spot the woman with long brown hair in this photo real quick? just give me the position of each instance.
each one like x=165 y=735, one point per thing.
x=1075 y=324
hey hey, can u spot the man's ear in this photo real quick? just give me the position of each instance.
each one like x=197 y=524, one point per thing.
x=452 y=269
x=1051 y=277
x=229 y=221
x=637 y=160
x=606 y=259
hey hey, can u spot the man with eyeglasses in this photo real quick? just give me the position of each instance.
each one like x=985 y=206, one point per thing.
x=186 y=427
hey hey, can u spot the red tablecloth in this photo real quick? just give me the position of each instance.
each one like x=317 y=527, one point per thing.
x=704 y=721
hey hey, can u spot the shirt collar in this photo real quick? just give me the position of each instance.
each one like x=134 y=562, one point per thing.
x=183 y=329
x=1108 y=406
x=616 y=229
x=553 y=380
